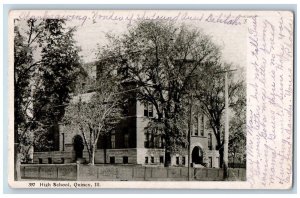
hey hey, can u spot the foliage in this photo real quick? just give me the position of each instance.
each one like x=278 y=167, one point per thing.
x=45 y=64
x=237 y=136
x=160 y=57
x=209 y=91
x=59 y=68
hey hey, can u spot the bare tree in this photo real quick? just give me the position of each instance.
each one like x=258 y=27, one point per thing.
x=95 y=114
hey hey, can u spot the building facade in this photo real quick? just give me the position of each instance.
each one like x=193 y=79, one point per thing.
x=131 y=143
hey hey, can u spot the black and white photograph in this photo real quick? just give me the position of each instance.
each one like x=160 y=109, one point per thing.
x=157 y=96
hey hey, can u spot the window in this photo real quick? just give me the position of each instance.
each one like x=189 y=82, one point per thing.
x=202 y=126
x=195 y=130
x=162 y=141
x=146 y=140
x=146 y=144
x=146 y=160
x=112 y=160
x=157 y=141
x=210 y=162
x=209 y=142
x=147 y=136
x=177 y=160
x=161 y=159
x=40 y=160
x=113 y=141
x=62 y=160
x=152 y=159
x=126 y=107
x=153 y=140
x=183 y=160
x=148 y=109
x=124 y=69
x=83 y=85
x=49 y=160
x=125 y=160
x=126 y=140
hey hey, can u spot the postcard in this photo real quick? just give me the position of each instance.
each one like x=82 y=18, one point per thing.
x=178 y=99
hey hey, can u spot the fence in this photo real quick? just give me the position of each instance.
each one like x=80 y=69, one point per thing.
x=49 y=171
x=126 y=173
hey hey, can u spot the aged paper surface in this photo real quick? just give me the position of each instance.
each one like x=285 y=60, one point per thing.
x=261 y=42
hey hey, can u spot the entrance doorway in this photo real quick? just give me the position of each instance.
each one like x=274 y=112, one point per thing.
x=197 y=155
x=78 y=146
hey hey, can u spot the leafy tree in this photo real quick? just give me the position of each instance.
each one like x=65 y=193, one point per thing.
x=97 y=113
x=24 y=67
x=35 y=65
x=209 y=91
x=237 y=136
x=60 y=66
x=161 y=58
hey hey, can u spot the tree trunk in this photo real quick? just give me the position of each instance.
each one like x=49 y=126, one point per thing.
x=167 y=142
x=221 y=153
x=167 y=161
x=105 y=148
x=92 y=156
x=17 y=175
x=17 y=163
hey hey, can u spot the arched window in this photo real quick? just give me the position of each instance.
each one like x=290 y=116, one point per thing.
x=209 y=141
x=202 y=126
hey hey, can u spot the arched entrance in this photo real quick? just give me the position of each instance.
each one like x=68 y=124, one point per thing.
x=197 y=155
x=78 y=146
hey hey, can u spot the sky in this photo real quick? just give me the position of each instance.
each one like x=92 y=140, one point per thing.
x=92 y=27
x=231 y=39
